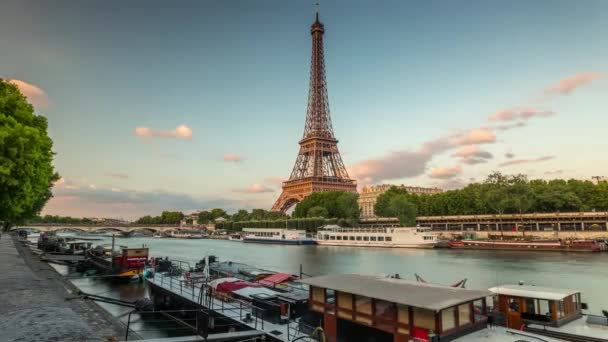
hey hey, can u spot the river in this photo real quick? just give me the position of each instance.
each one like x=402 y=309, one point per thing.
x=587 y=272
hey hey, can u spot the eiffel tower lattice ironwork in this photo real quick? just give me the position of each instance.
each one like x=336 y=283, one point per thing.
x=319 y=166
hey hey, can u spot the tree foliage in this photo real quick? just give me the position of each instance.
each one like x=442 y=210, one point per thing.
x=26 y=169
x=338 y=204
x=505 y=194
x=166 y=217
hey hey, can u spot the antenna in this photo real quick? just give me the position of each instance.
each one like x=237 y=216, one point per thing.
x=317 y=9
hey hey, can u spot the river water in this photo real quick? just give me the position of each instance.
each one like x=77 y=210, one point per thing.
x=587 y=272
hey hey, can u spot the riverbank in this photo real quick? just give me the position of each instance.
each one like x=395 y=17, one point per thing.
x=37 y=302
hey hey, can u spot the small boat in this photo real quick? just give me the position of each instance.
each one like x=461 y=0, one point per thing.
x=277 y=236
x=235 y=237
x=157 y=236
x=125 y=263
x=75 y=247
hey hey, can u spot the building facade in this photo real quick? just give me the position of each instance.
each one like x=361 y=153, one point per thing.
x=369 y=196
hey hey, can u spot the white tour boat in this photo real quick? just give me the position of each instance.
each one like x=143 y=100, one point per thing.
x=277 y=236
x=412 y=237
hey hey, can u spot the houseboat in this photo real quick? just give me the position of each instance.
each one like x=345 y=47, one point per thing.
x=277 y=236
x=356 y=307
x=530 y=245
x=552 y=312
x=128 y=263
x=408 y=237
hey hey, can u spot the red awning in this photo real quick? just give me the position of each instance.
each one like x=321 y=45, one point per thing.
x=231 y=286
x=276 y=278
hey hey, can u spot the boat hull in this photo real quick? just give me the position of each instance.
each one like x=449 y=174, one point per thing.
x=279 y=241
x=523 y=246
x=382 y=245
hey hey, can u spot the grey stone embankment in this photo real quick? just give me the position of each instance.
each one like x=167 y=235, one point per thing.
x=33 y=305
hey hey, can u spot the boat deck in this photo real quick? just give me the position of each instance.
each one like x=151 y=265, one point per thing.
x=235 y=310
x=581 y=327
x=502 y=334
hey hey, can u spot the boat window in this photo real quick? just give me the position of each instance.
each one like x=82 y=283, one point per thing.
x=385 y=314
x=366 y=238
x=332 y=237
x=424 y=318
x=338 y=237
x=380 y=238
x=448 y=319
x=345 y=300
x=318 y=295
x=358 y=238
x=325 y=237
x=363 y=305
x=372 y=238
x=388 y=238
x=464 y=314
x=478 y=309
x=352 y=238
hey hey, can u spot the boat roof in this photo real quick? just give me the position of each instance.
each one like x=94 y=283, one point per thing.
x=272 y=230
x=400 y=291
x=531 y=291
x=78 y=242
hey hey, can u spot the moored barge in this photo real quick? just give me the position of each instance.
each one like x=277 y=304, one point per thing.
x=530 y=245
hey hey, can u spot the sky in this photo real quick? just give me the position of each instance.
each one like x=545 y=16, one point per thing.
x=185 y=105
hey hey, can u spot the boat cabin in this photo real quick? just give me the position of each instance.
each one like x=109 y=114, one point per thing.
x=518 y=304
x=355 y=307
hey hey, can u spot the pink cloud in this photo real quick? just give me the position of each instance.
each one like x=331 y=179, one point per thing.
x=472 y=151
x=509 y=155
x=255 y=189
x=555 y=172
x=526 y=161
x=524 y=114
x=35 y=95
x=232 y=158
x=568 y=85
x=180 y=132
x=476 y=136
x=446 y=172
x=275 y=181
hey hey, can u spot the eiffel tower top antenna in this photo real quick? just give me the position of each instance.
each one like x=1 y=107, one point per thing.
x=317 y=9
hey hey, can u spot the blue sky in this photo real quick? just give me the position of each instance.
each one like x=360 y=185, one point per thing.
x=412 y=87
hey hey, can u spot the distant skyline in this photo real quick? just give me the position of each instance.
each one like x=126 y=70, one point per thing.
x=200 y=104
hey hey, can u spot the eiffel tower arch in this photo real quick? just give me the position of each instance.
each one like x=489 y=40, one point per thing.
x=319 y=166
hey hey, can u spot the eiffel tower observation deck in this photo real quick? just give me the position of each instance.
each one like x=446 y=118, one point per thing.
x=319 y=166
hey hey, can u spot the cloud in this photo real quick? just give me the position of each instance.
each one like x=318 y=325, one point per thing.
x=507 y=127
x=412 y=163
x=521 y=114
x=566 y=86
x=83 y=201
x=526 y=161
x=255 y=189
x=35 y=95
x=275 y=181
x=119 y=175
x=452 y=184
x=232 y=158
x=476 y=136
x=509 y=155
x=446 y=172
x=555 y=172
x=395 y=165
x=472 y=151
x=180 y=132
x=59 y=182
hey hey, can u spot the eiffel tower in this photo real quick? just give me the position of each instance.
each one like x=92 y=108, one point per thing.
x=319 y=166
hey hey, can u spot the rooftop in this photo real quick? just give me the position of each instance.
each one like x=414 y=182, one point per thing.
x=531 y=291
x=400 y=291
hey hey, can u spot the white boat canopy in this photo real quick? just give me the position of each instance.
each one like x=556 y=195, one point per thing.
x=530 y=291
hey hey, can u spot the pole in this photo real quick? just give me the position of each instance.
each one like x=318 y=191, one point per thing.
x=112 y=256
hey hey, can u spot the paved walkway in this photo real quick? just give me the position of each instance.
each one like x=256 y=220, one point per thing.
x=34 y=307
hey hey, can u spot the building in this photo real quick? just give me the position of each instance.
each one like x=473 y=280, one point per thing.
x=354 y=307
x=369 y=196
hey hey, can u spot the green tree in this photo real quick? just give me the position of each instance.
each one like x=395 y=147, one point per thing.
x=217 y=213
x=339 y=204
x=317 y=211
x=26 y=169
x=204 y=217
x=401 y=207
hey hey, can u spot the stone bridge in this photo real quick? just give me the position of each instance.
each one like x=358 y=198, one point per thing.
x=96 y=228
